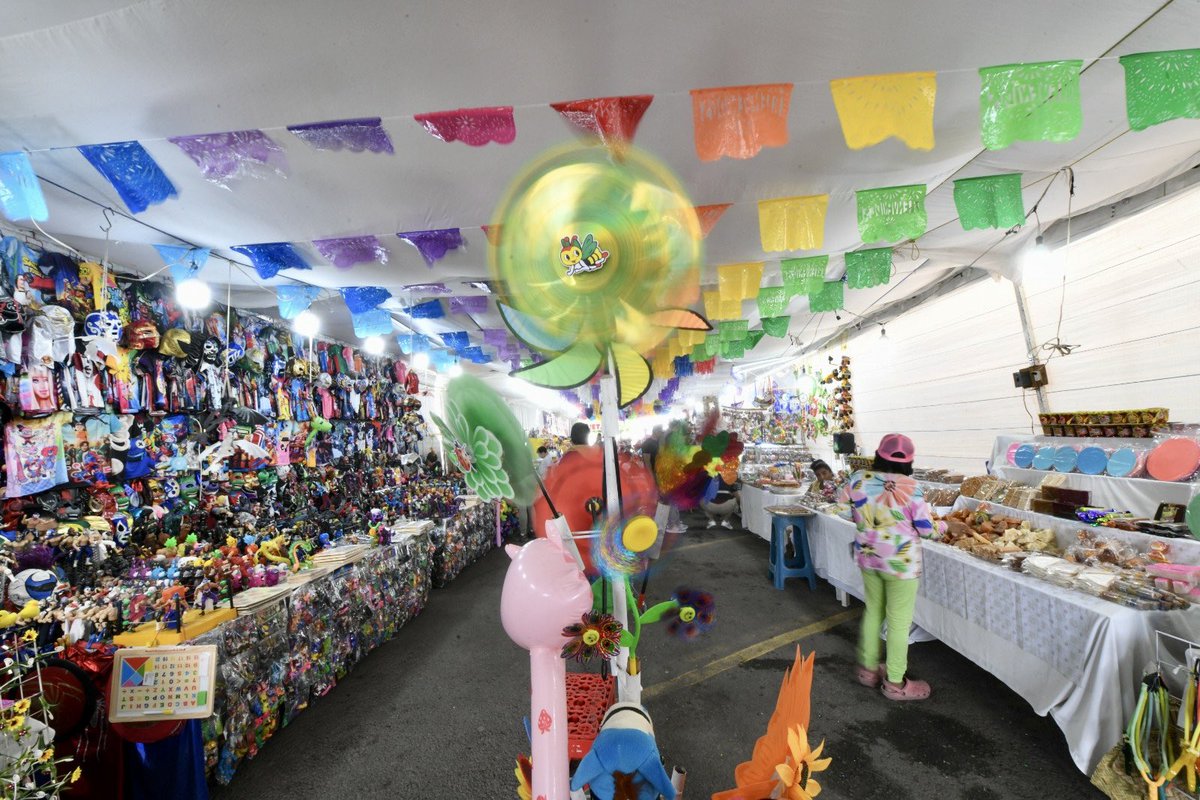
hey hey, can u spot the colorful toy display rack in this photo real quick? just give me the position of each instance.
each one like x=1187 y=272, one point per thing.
x=273 y=662
x=467 y=537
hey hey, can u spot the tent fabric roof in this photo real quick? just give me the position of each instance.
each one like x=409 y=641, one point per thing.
x=79 y=72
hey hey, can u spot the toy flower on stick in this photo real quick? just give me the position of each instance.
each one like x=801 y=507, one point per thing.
x=691 y=613
x=487 y=443
x=595 y=260
x=595 y=634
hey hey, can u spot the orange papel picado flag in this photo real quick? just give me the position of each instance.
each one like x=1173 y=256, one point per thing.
x=739 y=121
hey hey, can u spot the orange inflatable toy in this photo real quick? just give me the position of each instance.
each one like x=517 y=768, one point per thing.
x=577 y=481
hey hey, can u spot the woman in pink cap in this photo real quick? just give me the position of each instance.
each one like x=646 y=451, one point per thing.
x=892 y=517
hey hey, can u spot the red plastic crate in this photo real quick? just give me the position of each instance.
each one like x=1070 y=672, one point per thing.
x=588 y=697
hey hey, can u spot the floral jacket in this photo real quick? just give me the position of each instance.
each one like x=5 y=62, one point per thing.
x=892 y=517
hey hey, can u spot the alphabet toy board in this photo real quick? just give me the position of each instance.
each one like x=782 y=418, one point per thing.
x=153 y=683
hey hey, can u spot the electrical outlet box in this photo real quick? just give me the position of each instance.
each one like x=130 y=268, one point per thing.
x=1031 y=377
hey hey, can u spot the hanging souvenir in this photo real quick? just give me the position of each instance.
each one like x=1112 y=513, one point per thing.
x=33 y=455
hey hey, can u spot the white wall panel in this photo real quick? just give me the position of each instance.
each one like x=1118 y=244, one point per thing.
x=1132 y=305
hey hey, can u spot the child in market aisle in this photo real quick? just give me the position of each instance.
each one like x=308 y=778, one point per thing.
x=892 y=517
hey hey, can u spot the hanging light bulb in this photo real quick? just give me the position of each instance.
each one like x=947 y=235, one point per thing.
x=373 y=345
x=306 y=324
x=420 y=360
x=193 y=293
x=882 y=332
x=455 y=370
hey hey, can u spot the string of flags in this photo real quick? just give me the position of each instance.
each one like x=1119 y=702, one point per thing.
x=1018 y=102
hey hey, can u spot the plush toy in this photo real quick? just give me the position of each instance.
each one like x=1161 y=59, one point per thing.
x=624 y=756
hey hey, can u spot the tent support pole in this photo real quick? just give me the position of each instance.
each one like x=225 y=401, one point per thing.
x=1030 y=344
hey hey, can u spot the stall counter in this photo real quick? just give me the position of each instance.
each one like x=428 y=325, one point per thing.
x=1073 y=656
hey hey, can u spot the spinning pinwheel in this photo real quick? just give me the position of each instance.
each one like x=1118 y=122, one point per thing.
x=594 y=259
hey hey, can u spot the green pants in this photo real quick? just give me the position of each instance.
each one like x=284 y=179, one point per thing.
x=896 y=597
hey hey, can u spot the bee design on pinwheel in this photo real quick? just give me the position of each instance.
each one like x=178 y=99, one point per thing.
x=586 y=257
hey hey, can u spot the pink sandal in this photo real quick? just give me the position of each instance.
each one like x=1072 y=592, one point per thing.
x=869 y=678
x=909 y=690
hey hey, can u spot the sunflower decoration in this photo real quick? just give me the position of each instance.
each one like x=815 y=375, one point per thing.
x=796 y=781
x=524 y=773
x=694 y=613
x=486 y=442
x=595 y=260
x=595 y=634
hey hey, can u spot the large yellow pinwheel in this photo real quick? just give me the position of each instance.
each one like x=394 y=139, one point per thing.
x=595 y=259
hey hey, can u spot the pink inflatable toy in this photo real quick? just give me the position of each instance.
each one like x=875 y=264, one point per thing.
x=544 y=591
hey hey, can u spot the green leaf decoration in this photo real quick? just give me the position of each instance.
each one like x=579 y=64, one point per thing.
x=1029 y=103
x=803 y=275
x=867 y=268
x=627 y=639
x=892 y=214
x=566 y=370
x=897 y=514
x=831 y=297
x=992 y=201
x=657 y=612
x=897 y=565
x=732 y=330
x=1161 y=86
x=776 y=326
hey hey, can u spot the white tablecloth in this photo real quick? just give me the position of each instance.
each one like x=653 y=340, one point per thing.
x=1070 y=655
x=755 y=502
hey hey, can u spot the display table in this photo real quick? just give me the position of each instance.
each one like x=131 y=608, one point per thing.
x=273 y=661
x=1182 y=551
x=1075 y=657
x=462 y=540
x=755 y=502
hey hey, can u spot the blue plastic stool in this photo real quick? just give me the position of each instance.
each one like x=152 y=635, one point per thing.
x=779 y=568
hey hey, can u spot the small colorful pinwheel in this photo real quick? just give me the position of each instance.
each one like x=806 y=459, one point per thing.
x=595 y=634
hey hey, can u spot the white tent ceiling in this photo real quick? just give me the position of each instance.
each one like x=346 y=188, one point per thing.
x=84 y=72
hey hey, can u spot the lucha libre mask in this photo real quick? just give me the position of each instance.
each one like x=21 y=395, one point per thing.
x=143 y=335
x=103 y=325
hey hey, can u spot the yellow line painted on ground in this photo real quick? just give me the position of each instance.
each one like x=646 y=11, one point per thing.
x=713 y=668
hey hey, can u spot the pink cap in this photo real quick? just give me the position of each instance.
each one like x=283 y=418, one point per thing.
x=896 y=447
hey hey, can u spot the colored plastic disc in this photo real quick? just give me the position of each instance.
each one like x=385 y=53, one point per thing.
x=1122 y=462
x=1023 y=458
x=1065 y=459
x=1044 y=458
x=1092 y=461
x=1174 y=460
x=639 y=534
